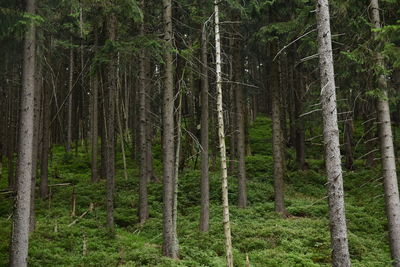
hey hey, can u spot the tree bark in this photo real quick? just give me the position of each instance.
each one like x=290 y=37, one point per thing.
x=221 y=137
x=20 y=231
x=205 y=187
x=240 y=120
x=11 y=139
x=143 y=180
x=337 y=218
x=94 y=122
x=300 y=135
x=348 y=139
x=36 y=138
x=70 y=85
x=44 y=187
x=277 y=138
x=176 y=173
x=168 y=141
x=110 y=133
x=387 y=152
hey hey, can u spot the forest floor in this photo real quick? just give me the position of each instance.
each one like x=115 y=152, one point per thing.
x=302 y=239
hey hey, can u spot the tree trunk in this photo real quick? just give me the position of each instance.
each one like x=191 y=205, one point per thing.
x=143 y=180
x=11 y=139
x=176 y=173
x=110 y=133
x=95 y=117
x=20 y=231
x=205 y=187
x=168 y=141
x=221 y=137
x=277 y=138
x=70 y=85
x=240 y=120
x=44 y=187
x=300 y=135
x=387 y=153
x=348 y=139
x=121 y=131
x=36 y=137
x=340 y=253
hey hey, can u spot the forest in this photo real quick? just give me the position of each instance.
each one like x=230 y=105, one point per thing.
x=199 y=133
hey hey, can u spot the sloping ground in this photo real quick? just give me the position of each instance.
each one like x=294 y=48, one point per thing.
x=268 y=240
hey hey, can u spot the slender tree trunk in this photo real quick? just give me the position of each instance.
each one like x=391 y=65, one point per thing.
x=348 y=139
x=221 y=137
x=149 y=136
x=300 y=136
x=233 y=129
x=20 y=232
x=340 y=253
x=240 y=120
x=143 y=180
x=44 y=187
x=70 y=84
x=36 y=137
x=111 y=98
x=11 y=140
x=176 y=173
x=205 y=187
x=291 y=94
x=168 y=136
x=121 y=136
x=387 y=153
x=95 y=117
x=277 y=139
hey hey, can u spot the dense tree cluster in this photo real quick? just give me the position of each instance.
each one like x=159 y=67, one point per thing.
x=123 y=74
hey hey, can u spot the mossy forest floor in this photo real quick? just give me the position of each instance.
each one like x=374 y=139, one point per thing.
x=268 y=240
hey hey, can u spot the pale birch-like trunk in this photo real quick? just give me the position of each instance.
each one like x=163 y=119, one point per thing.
x=20 y=229
x=221 y=137
x=387 y=153
x=337 y=218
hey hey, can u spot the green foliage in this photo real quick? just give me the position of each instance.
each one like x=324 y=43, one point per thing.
x=268 y=240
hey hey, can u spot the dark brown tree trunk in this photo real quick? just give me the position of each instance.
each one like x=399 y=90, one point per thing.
x=168 y=141
x=205 y=190
x=300 y=135
x=94 y=131
x=11 y=138
x=240 y=114
x=20 y=231
x=110 y=121
x=44 y=175
x=233 y=129
x=70 y=85
x=277 y=138
x=36 y=138
x=348 y=146
x=143 y=180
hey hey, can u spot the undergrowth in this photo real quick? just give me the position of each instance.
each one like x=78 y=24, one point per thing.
x=302 y=239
